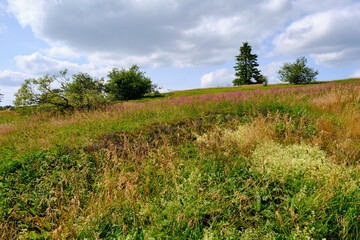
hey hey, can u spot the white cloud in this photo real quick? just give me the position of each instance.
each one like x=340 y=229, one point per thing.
x=28 y=12
x=9 y=83
x=38 y=64
x=275 y=5
x=219 y=78
x=309 y=6
x=65 y=52
x=330 y=37
x=346 y=56
x=185 y=33
x=11 y=78
x=9 y=92
x=356 y=74
x=270 y=70
x=162 y=32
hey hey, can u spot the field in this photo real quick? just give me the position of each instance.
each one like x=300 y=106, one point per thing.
x=275 y=162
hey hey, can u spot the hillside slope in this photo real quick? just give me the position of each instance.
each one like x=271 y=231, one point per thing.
x=262 y=163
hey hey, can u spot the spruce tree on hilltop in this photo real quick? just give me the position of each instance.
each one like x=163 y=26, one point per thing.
x=246 y=67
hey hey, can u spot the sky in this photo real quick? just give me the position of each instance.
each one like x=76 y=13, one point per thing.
x=180 y=44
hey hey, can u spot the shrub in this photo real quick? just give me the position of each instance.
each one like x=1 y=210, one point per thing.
x=297 y=73
x=128 y=84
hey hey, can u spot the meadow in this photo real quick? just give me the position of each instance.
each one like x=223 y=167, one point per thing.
x=275 y=162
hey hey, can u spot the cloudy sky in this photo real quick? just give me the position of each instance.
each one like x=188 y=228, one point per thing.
x=180 y=44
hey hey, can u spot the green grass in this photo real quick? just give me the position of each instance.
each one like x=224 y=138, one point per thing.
x=200 y=91
x=266 y=163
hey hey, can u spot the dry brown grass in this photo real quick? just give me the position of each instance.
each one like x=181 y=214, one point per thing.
x=335 y=100
x=339 y=126
x=6 y=128
x=118 y=191
x=243 y=139
x=7 y=113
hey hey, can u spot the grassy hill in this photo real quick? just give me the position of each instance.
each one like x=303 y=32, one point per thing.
x=275 y=162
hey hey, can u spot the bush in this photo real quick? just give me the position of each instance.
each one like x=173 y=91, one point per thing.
x=128 y=84
x=264 y=80
x=297 y=73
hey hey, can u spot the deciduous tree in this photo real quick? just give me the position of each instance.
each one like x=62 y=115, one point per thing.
x=298 y=72
x=128 y=84
x=59 y=92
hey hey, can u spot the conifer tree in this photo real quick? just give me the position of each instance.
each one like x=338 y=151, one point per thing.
x=246 y=67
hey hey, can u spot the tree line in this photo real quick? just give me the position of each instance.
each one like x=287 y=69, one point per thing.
x=246 y=70
x=81 y=91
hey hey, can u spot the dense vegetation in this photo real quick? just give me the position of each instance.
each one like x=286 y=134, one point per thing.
x=81 y=91
x=262 y=163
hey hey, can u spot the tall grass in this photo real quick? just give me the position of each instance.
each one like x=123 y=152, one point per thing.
x=82 y=127
x=280 y=163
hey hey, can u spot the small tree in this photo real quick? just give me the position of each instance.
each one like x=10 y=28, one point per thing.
x=128 y=84
x=1 y=96
x=84 y=92
x=246 y=67
x=298 y=72
x=40 y=92
x=264 y=80
x=52 y=92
